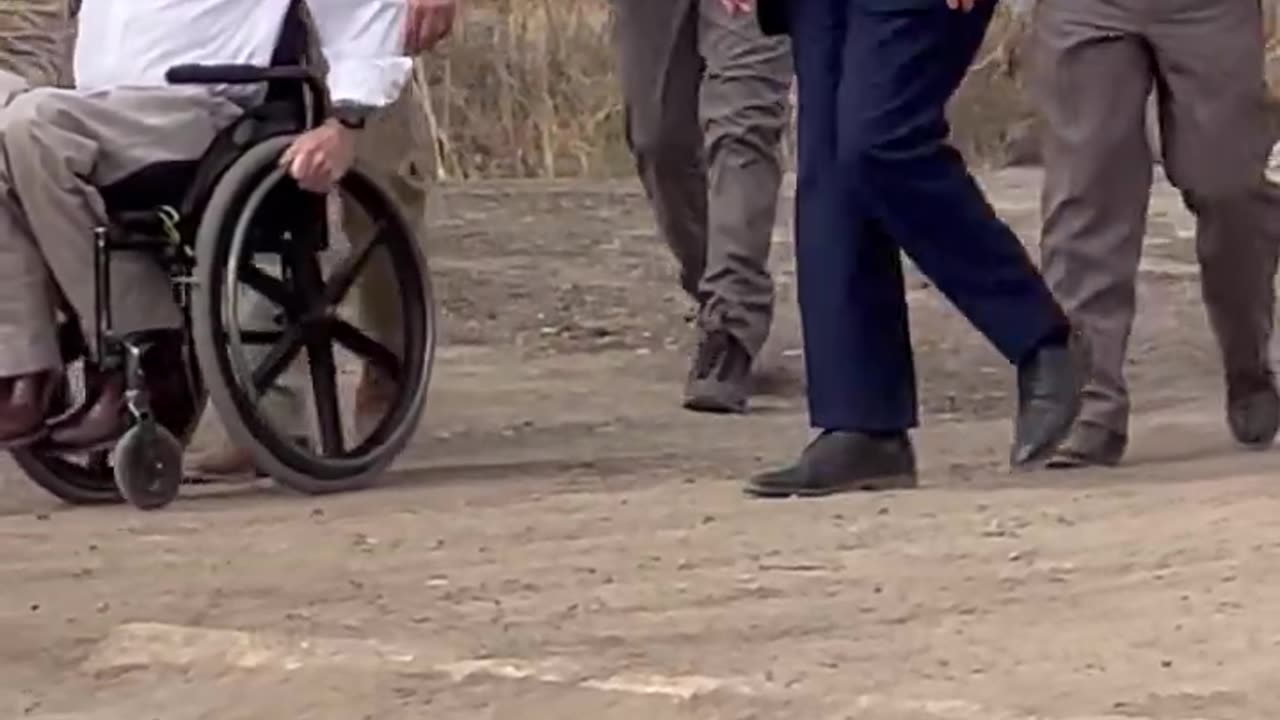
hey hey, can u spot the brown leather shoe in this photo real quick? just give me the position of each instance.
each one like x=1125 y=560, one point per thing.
x=97 y=423
x=24 y=405
x=104 y=416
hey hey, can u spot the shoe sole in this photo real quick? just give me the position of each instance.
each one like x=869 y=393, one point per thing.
x=880 y=484
x=1073 y=461
x=714 y=406
x=207 y=478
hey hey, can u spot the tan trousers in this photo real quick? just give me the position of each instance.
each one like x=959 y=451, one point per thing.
x=58 y=146
x=706 y=106
x=1097 y=62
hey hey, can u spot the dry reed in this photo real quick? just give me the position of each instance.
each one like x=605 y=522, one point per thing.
x=527 y=88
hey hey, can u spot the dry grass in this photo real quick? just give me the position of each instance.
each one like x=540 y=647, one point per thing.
x=527 y=89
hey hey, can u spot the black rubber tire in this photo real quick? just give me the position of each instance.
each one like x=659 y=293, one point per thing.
x=148 y=466
x=70 y=482
x=278 y=455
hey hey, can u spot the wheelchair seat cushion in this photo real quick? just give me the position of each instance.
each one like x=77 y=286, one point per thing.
x=156 y=185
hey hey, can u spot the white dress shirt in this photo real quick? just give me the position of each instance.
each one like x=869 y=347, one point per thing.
x=132 y=43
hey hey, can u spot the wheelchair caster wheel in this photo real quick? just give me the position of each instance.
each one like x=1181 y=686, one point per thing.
x=148 y=466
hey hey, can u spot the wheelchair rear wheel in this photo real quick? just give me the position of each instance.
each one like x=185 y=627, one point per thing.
x=262 y=235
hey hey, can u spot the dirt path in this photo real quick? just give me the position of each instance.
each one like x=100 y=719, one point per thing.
x=562 y=542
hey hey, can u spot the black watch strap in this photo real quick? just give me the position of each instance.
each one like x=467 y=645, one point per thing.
x=351 y=116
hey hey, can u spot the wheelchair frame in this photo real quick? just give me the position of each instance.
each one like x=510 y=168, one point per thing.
x=148 y=457
x=136 y=232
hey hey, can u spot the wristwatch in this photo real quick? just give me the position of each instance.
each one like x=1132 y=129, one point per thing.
x=351 y=115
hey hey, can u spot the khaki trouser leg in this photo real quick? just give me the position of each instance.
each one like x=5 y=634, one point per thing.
x=1238 y=244
x=28 y=341
x=398 y=146
x=60 y=145
x=1210 y=58
x=1093 y=78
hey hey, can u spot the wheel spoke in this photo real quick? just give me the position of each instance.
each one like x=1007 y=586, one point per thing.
x=260 y=337
x=279 y=358
x=267 y=286
x=345 y=274
x=345 y=334
x=324 y=387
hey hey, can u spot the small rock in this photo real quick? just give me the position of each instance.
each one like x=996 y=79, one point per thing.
x=996 y=529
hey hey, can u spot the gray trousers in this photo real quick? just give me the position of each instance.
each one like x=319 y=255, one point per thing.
x=1097 y=63
x=58 y=146
x=706 y=107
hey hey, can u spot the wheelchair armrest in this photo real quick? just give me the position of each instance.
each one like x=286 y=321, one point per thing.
x=230 y=74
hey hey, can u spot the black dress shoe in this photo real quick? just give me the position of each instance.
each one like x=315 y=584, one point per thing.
x=1253 y=410
x=1049 y=386
x=842 y=462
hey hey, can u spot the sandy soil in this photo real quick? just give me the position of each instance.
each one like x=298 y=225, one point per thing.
x=564 y=542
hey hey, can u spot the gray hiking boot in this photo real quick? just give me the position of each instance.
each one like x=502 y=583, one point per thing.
x=719 y=381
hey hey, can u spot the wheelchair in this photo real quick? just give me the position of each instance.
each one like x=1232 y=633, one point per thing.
x=231 y=224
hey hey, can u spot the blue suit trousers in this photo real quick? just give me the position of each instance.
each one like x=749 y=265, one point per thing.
x=877 y=177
